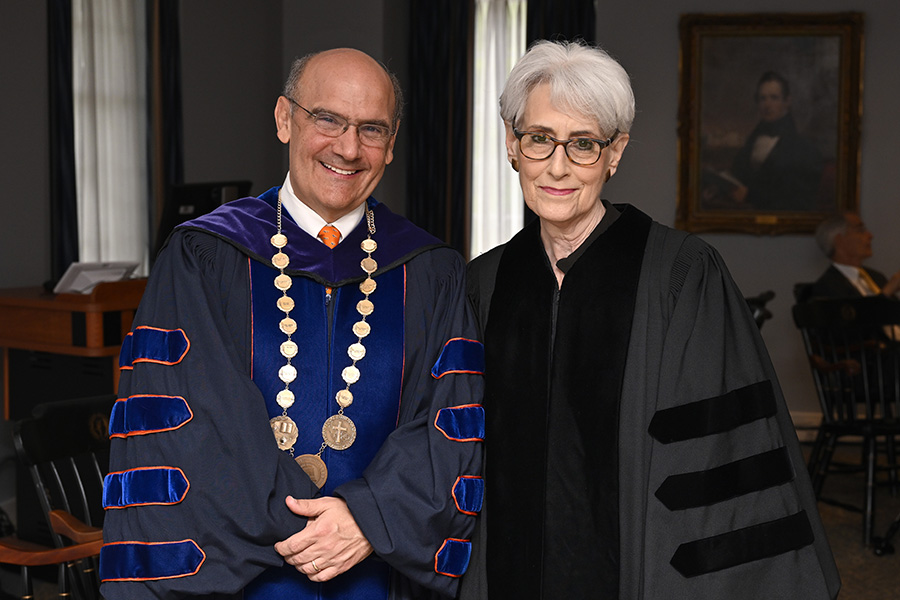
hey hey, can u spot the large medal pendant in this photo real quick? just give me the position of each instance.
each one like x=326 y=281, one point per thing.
x=339 y=432
x=315 y=467
x=285 y=431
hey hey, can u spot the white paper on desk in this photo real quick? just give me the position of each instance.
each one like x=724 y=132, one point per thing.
x=83 y=277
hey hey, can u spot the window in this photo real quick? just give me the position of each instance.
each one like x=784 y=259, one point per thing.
x=497 y=206
x=109 y=100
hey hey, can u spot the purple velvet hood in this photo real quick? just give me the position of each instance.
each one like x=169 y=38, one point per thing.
x=249 y=223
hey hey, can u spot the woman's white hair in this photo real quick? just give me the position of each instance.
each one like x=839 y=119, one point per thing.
x=583 y=79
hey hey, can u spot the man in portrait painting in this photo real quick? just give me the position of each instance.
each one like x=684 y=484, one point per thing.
x=776 y=168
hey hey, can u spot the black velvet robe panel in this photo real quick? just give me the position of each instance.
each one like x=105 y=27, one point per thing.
x=553 y=414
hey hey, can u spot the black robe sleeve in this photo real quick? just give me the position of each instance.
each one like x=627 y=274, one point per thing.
x=700 y=382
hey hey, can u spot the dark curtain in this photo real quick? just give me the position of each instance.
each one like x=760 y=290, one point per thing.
x=164 y=113
x=560 y=20
x=437 y=117
x=170 y=91
x=63 y=201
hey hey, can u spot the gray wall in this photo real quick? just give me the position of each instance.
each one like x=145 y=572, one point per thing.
x=24 y=156
x=231 y=78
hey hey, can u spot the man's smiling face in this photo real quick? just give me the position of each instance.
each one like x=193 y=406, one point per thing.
x=334 y=175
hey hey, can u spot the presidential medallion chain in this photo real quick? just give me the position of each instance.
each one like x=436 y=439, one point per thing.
x=338 y=431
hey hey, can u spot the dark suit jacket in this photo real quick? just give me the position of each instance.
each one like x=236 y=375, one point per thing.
x=833 y=284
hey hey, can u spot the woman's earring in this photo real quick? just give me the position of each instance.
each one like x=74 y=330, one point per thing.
x=608 y=175
x=515 y=165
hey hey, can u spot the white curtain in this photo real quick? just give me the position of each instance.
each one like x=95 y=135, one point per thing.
x=109 y=98
x=496 y=196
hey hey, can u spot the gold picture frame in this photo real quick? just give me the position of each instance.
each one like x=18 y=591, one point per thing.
x=768 y=120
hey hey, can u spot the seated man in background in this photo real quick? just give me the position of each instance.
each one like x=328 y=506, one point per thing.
x=845 y=240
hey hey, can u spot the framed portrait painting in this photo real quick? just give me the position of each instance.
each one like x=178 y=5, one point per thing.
x=769 y=120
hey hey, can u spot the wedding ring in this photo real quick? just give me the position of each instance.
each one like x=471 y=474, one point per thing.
x=315 y=567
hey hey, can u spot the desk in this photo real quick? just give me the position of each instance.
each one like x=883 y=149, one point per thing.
x=40 y=331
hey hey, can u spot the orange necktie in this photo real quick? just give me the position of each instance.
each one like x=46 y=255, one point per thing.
x=330 y=236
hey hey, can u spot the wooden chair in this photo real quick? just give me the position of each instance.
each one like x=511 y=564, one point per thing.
x=854 y=358
x=65 y=448
x=26 y=555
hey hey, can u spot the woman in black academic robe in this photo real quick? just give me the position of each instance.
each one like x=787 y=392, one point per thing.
x=637 y=445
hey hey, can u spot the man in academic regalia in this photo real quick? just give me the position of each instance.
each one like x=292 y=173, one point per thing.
x=299 y=411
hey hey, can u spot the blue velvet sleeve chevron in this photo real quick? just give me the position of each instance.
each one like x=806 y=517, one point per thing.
x=453 y=557
x=459 y=355
x=143 y=414
x=468 y=492
x=150 y=344
x=143 y=561
x=144 y=486
x=461 y=423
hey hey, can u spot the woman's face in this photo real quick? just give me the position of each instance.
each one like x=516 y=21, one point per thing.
x=556 y=189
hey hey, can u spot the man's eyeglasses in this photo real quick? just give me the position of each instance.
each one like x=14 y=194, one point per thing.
x=584 y=151
x=370 y=134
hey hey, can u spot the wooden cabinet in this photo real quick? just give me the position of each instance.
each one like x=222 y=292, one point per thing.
x=58 y=346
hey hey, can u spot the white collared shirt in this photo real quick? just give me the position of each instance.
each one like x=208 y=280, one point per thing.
x=762 y=148
x=309 y=220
